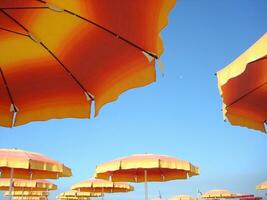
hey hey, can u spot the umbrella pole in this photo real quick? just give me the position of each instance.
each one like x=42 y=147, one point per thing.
x=102 y=193
x=146 y=190
x=11 y=182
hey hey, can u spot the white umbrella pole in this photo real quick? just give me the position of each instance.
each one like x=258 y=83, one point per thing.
x=11 y=183
x=102 y=193
x=146 y=190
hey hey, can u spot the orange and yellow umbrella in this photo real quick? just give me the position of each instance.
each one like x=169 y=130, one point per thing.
x=146 y=168
x=243 y=87
x=16 y=163
x=27 y=185
x=57 y=57
x=74 y=193
x=27 y=193
x=218 y=194
x=72 y=198
x=30 y=165
x=101 y=186
x=262 y=186
x=182 y=197
x=30 y=198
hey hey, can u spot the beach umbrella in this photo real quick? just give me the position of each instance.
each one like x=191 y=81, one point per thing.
x=146 y=168
x=74 y=193
x=101 y=186
x=27 y=193
x=15 y=163
x=182 y=197
x=243 y=87
x=262 y=186
x=57 y=57
x=27 y=185
x=72 y=198
x=247 y=197
x=218 y=194
x=30 y=198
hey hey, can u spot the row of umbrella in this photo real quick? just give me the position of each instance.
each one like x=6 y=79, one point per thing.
x=22 y=173
x=138 y=168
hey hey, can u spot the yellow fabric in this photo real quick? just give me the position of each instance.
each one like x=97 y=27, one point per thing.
x=218 y=194
x=74 y=193
x=101 y=186
x=262 y=186
x=256 y=51
x=182 y=197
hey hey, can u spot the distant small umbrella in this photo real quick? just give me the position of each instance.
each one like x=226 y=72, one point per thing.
x=262 y=186
x=217 y=194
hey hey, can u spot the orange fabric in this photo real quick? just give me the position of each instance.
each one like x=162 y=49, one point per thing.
x=158 y=167
x=245 y=96
x=104 y=65
x=30 y=165
x=27 y=185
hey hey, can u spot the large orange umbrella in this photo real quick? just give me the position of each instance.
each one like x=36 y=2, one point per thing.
x=262 y=186
x=243 y=86
x=218 y=194
x=146 y=168
x=16 y=163
x=59 y=56
x=101 y=186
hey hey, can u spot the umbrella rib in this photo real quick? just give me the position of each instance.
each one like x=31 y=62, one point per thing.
x=51 y=53
x=8 y=90
x=107 y=30
x=18 y=33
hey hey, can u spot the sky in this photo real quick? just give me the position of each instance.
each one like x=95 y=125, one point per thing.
x=179 y=115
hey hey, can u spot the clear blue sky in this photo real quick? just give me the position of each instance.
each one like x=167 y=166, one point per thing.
x=179 y=115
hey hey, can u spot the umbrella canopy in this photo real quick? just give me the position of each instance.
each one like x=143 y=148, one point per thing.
x=74 y=193
x=243 y=87
x=157 y=167
x=146 y=168
x=182 y=197
x=59 y=56
x=262 y=186
x=72 y=198
x=102 y=186
x=27 y=185
x=29 y=198
x=27 y=193
x=216 y=194
x=247 y=197
x=32 y=165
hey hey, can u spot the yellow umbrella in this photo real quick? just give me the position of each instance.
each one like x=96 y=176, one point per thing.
x=27 y=185
x=15 y=163
x=72 y=198
x=74 y=193
x=30 y=198
x=242 y=85
x=102 y=186
x=262 y=186
x=27 y=193
x=146 y=167
x=182 y=197
x=214 y=194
